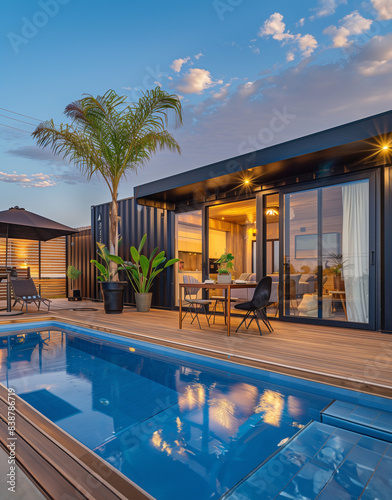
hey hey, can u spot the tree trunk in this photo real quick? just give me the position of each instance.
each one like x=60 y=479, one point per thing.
x=113 y=237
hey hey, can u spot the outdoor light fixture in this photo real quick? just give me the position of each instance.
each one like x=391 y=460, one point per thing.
x=246 y=181
x=385 y=148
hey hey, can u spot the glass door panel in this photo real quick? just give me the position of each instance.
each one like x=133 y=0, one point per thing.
x=188 y=240
x=301 y=254
x=271 y=231
x=326 y=272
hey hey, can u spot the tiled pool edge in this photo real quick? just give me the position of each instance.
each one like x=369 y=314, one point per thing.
x=277 y=474
x=347 y=383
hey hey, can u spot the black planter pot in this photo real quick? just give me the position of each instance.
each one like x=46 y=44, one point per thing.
x=76 y=296
x=113 y=296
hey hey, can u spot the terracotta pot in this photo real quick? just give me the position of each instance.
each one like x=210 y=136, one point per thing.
x=143 y=301
x=113 y=296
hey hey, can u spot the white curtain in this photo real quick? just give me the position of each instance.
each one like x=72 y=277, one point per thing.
x=355 y=250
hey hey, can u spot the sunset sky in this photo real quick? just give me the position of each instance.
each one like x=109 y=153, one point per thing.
x=249 y=73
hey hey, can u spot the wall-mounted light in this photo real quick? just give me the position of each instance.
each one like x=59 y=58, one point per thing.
x=272 y=211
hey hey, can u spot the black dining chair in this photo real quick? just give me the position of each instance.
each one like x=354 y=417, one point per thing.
x=258 y=304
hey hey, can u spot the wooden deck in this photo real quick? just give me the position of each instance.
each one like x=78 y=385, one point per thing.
x=355 y=359
x=58 y=464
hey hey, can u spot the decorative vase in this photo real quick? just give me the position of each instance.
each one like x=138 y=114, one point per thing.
x=113 y=296
x=143 y=301
x=224 y=278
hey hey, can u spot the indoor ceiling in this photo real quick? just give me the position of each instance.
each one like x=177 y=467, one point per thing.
x=240 y=212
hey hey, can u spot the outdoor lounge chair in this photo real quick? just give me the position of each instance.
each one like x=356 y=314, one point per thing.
x=25 y=292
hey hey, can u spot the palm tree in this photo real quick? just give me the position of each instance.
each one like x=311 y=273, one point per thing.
x=111 y=138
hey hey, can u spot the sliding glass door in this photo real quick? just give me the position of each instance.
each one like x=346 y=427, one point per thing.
x=327 y=262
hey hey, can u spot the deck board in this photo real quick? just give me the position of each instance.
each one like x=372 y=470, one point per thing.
x=351 y=358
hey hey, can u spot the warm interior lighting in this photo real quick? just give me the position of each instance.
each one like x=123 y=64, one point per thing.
x=272 y=211
x=132 y=349
x=271 y=404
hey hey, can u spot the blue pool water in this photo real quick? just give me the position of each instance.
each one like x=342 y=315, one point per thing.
x=177 y=424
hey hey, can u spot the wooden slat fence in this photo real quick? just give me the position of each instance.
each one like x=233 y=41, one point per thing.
x=44 y=261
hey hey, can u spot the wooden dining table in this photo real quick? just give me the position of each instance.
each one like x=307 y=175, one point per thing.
x=226 y=287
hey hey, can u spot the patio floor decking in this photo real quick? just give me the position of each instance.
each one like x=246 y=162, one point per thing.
x=354 y=359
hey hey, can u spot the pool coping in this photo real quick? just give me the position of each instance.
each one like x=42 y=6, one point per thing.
x=353 y=384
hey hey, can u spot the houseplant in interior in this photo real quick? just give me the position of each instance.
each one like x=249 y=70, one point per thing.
x=73 y=274
x=111 y=138
x=225 y=262
x=142 y=272
x=336 y=270
x=112 y=290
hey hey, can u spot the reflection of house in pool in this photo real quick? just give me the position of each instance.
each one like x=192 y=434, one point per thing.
x=189 y=418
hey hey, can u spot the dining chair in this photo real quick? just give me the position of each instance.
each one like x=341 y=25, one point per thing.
x=195 y=304
x=258 y=304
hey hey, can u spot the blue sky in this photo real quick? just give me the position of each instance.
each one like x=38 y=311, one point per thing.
x=250 y=74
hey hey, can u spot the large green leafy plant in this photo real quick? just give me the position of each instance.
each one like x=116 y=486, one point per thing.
x=143 y=270
x=104 y=267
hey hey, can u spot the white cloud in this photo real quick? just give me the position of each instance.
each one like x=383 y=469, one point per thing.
x=290 y=56
x=307 y=44
x=254 y=49
x=327 y=7
x=196 y=80
x=384 y=8
x=178 y=63
x=351 y=25
x=376 y=57
x=222 y=93
x=34 y=180
x=275 y=27
x=198 y=56
x=126 y=88
x=301 y=22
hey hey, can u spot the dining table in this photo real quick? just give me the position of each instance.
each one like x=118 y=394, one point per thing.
x=225 y=287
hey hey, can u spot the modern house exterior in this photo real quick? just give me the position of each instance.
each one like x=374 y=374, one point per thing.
x=315 y=213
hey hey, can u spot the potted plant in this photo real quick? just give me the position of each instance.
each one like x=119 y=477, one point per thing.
x=112 y=291
x=225 y=262
x=73 y=274
x=142 y=271
x=336 y=270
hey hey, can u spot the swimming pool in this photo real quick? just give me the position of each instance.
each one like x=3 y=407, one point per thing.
x=179 y=425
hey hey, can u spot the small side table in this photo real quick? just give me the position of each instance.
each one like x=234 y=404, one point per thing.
x=341 y=295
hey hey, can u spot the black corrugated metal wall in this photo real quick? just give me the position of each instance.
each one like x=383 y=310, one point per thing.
x=136 y=220
x=79 y=253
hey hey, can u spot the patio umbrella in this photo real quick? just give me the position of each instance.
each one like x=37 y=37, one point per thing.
x=18 y=223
